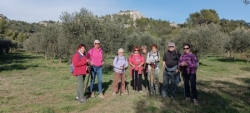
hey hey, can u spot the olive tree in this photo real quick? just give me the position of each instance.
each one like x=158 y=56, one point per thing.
x=240 y=42
x=204 y=40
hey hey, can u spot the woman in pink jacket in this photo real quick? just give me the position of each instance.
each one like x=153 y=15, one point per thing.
x=136 y=60
x=80 y=62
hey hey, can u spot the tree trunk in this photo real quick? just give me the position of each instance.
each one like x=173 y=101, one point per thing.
x=229 y=54
x=45 y=56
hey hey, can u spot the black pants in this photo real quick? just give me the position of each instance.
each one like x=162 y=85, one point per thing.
x=146 y=78
x=137 y=80
x=192 y=79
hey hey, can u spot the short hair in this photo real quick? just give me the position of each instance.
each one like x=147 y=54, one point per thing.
x=186 y=45
x=154 y=45
x=80 y=46
x=136 y=47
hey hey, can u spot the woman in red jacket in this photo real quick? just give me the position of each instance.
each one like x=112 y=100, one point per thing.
x=80 y=62
x=136 y=60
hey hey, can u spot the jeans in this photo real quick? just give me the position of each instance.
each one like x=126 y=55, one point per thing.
x=146 y=78
x=192 y=79
x=166 y=78
x=96 y=71
x=80 y=86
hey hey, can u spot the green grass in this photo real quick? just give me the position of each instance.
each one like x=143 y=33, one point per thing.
x=29 y=83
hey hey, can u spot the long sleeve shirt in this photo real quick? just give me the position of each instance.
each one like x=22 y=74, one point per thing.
x=95 y=56
x=153 y=57
x=118 y=62
x=191 y=61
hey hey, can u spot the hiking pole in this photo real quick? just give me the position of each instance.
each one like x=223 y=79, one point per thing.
x=88 y=78
x=126 y=80
x=121 y=81
x=134 y=78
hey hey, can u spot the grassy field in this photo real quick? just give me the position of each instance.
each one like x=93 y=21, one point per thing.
x=29 y=83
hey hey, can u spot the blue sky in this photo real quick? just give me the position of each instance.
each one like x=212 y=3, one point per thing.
x=172 y=10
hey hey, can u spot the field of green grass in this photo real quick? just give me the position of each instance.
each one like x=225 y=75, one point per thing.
x=29 y=84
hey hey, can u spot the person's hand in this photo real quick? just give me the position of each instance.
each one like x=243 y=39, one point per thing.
x=91 y=63
x=183 y=64
x=133 y=66
x=177 y=71
x=121 y=67
x=102 y=63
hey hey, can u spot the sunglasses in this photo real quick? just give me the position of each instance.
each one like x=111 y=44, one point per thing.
x=97 y=43
x=185 y=48
x=136 y=50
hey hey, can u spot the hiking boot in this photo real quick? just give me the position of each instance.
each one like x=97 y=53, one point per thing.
x=83 y=101
x=151 y=92
x=92 y=94
x=187 y=99
x=140 y=91
x=196 y=102
x=157 y=92
x=101 y=95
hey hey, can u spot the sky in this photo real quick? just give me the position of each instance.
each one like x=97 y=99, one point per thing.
x=171 y=10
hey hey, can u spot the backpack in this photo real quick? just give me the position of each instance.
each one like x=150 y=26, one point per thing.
x=151 y=54
x=71 y=66
x=117 y=59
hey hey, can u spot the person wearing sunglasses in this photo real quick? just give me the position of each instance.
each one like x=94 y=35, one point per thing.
x=136 y=61
x=188 y=66
x=96 y=61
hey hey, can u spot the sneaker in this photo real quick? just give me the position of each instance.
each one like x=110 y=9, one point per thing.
x=82 y=101
x=140 y=91
x=76 y=98
x=92 y=95
x=196 y=102
x=113 y=93
x=101 y=95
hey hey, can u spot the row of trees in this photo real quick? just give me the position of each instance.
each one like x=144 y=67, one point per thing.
x=204 y=31
x=208 y=39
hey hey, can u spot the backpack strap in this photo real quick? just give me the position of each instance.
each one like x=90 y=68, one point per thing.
x=117 y=59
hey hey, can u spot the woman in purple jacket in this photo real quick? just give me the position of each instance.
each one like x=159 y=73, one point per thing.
x=188 y=66
x=120 y=63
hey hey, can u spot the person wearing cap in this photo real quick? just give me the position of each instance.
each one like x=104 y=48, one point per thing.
x=171 y=70
x=96 y=61
x=120 y=63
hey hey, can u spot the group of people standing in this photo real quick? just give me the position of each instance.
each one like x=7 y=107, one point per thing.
x=141 y=63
